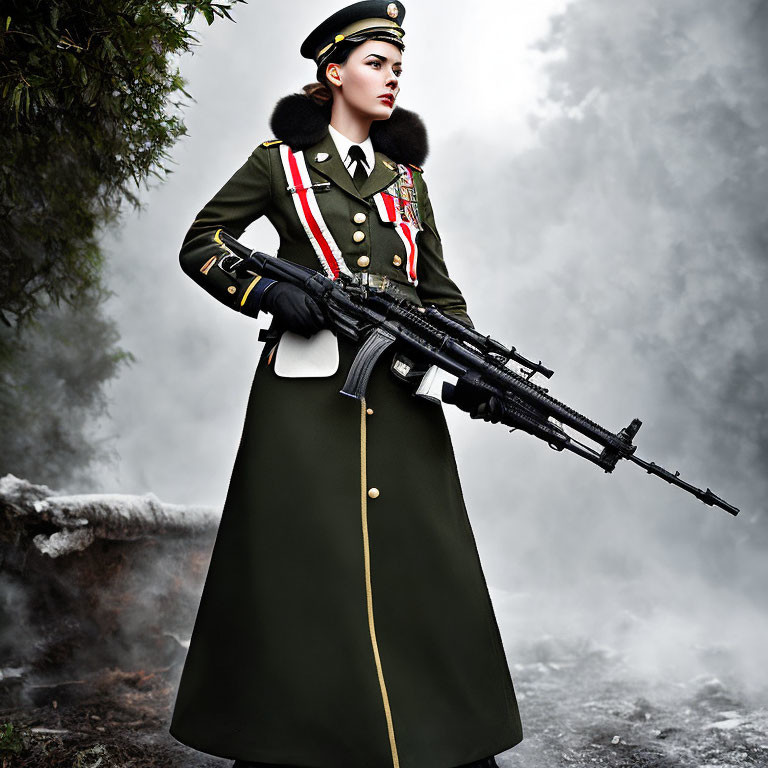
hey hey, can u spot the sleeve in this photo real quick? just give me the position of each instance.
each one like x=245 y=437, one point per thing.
x=244 y=198
x=435 y=285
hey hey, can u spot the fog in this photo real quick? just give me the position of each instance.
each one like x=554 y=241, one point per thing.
x=599 y=174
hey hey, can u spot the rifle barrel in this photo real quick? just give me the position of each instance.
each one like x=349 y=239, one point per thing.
x=674 y=479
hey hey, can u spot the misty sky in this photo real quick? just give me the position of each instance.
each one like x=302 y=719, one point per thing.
x=599 y=171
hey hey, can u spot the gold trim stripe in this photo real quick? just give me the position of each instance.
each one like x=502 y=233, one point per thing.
x=248 y=289
x=208 y=264
x=375 y=22
x=368 y=591
x=363 y=25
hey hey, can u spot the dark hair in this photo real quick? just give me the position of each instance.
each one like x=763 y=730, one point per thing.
x=320 y=91
x=338 y=55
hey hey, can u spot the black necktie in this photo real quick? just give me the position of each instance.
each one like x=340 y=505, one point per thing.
x=357 y=155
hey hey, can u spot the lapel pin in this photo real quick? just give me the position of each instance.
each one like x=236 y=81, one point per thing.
x=321 y=157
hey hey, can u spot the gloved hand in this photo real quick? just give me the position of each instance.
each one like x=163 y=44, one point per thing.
x=294 y=310
x=467 y=396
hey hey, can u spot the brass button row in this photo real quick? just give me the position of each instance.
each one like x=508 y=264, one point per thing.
x=359 y=217
x=364 y=261
x=358 y=236
x=373 y=493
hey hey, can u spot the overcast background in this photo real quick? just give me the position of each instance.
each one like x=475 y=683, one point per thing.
x=599 y=172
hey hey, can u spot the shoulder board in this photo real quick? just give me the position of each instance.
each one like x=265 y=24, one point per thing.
x=271 y=142
x=416 y=168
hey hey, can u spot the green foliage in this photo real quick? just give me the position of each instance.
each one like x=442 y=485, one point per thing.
x=89 y=107
x=52 y=386
x=12 y=741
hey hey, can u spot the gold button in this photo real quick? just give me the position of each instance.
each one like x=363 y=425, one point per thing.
x=396 y=260
x=369 y=411
x=363 y=261
x=359 y=236
x=373 y=492
x=231 y=289
x=359 y=218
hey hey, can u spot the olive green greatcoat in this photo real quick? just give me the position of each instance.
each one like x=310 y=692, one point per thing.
x=337 y=628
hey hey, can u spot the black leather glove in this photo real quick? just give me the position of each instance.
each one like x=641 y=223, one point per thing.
x=293 y=309
x=477 y=402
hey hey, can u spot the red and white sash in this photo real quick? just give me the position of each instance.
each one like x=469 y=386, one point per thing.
x=391 y=208
x=392 y=205
x=309 y=214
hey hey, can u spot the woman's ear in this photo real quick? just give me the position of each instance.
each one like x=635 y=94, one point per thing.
x=333 y=74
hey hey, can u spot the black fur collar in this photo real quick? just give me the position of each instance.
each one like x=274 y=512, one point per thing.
x=301 y=122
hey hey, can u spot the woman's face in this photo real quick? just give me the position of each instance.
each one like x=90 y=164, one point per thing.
x=369 y=79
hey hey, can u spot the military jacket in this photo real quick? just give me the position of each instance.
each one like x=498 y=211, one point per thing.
x=260 y=188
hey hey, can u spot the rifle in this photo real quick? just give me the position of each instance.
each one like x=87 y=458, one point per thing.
x=380 y=320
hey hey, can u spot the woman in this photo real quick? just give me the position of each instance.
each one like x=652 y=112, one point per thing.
x=345 y=619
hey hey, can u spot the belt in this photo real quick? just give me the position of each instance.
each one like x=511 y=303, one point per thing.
x=387 y=285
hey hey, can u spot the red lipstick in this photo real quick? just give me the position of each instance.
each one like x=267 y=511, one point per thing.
x=388 y=98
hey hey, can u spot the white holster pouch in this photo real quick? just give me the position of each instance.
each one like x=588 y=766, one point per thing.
x=298 y=357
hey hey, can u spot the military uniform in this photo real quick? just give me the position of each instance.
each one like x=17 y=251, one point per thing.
x=369 y=245
x=345 y=619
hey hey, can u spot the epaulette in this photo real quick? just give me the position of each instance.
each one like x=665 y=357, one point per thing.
x=271 y=142
x=416 y=168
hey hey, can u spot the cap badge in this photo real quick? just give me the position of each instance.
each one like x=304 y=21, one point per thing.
x=321 y=157
x=392 y=10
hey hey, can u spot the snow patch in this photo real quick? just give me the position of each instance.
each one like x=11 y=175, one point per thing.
x=64 y=542
x=727 y=725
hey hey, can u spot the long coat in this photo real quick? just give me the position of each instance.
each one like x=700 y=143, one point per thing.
x=345 y=621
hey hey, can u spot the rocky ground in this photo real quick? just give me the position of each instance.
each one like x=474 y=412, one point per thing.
x=589 y=708
x=112 y=720
x=97 y=596
x=580 y=709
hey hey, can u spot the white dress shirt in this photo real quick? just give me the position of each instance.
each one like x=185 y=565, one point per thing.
x=343 y=144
